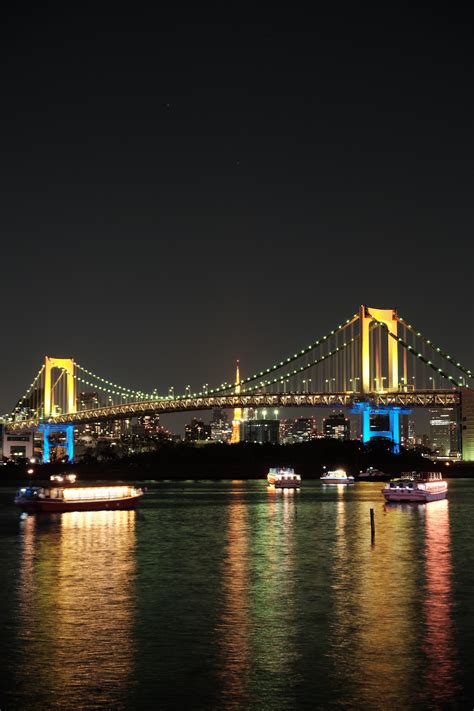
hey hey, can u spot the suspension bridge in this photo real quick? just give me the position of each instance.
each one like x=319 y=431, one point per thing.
x=375 y=362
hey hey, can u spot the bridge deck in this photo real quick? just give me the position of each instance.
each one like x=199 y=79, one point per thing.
x=420 y=398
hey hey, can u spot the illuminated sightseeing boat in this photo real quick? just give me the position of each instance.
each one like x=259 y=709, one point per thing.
x=417 y=487
x=283 y=478
x=338 y=476
x=61 y=496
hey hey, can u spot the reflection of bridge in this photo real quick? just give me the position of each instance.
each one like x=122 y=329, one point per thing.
x=373 y=362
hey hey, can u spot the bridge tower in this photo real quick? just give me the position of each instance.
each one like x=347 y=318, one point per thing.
x=389 y=317
x=66 y=365
x=237 y=419
x=49 y=407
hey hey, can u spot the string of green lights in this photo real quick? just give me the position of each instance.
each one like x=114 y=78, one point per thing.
x=297 y=371
x=107 y=382
x=440 y=351
x=122 y=391
x=421 y=357
x=10 y=415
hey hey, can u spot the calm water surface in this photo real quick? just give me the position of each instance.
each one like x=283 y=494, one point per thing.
x=228 y=596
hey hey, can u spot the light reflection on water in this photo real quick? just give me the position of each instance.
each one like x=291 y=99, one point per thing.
x=233 y=596
x=76 y=608
x=439 y=646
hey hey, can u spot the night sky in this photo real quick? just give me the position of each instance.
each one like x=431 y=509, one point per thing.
x=181 y=190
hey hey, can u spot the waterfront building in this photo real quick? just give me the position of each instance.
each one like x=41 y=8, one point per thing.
x=197 y=431
x=337 y=426
x=301 y=429
x=444 y=432
x=221 y=428
x=407 y=431
x=260 y=431
x=88 y=401
x=148 y=425
x=17 y=445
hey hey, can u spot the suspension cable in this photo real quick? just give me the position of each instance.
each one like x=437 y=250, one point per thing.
x=10 y=415
x=420 y=356
x=290 y=359
x=303 y=368
x=440 y=351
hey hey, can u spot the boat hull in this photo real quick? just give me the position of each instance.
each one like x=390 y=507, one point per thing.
x=48 y=506
x=337 y=481
x=416 y=496
x=287 y=485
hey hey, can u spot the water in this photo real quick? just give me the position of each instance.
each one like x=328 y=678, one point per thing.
x=226 y=596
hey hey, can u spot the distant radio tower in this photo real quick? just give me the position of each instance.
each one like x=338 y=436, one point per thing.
x=237 y=411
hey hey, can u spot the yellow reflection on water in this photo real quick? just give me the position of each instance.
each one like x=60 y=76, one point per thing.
x=373 y=638
x=234 y=625
x=76 y=606
x=439 y=645
x=387 y=605
x=256 y=627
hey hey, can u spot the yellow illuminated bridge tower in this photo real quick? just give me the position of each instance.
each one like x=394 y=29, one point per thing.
x=66 y=368
x=388 y=318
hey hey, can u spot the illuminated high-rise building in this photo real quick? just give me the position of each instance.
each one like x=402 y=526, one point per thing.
x=302 y=429
x=221 y=428
x=337 y=426
x=444 y=431
x=261 y=431
x=197 y=431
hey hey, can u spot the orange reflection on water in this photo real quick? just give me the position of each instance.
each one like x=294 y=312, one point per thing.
x=76 y=606
x=375 y=610
x=439 y=645
x=234 y=626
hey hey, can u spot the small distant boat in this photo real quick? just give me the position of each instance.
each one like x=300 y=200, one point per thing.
x=373 y=473
x=417 y=487
x=60 y=497
x=338 y=476
x=283 y=478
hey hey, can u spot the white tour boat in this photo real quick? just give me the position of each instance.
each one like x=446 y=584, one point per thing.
x=283 y=478
x=418 y=487
x=338 y=476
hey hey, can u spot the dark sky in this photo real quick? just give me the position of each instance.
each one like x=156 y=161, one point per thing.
x=182 y=189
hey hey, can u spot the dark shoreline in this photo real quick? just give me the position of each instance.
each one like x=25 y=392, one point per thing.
x=243 y=461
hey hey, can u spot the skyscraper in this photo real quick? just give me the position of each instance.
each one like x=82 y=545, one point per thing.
x=337 y=426
x=444 y=431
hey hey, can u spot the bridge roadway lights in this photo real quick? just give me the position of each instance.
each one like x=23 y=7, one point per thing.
x=46 y=429
x=393 y=411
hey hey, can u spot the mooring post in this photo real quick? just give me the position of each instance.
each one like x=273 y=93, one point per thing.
x=372 y=525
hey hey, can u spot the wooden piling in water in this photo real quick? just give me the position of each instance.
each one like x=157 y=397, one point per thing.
x=372 y=525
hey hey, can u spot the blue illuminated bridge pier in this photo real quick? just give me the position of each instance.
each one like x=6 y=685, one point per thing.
x=374 y=363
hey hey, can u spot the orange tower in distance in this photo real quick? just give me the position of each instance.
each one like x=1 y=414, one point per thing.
x=237 y=411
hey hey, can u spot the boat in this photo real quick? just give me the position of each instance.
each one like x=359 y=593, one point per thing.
x=62 y=495
x=337 y=476
x=417 y=487
x=283 y=478
x=371 y=473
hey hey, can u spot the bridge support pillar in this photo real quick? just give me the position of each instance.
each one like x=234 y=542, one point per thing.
x=46 y=449
x=46 y=429
x=467 y=425
x=393 y=433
